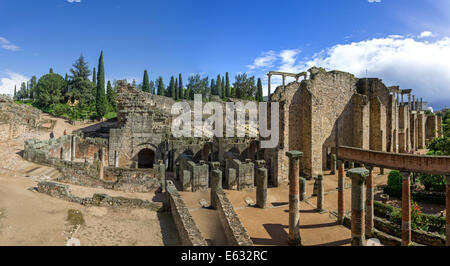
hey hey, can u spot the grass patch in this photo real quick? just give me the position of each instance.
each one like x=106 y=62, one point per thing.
x=75 y=217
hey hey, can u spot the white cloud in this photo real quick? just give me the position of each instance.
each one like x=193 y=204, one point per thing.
x=12 y=79
x=7 y=45
x=425 y=34
x=74 y=1
x=265 y=60
x=420 y=65
x=374 y=1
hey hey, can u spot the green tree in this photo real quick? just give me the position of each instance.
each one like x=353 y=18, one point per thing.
x=94 y=78
x=177 y=93
x=100 y=102
x=15 y=92
x=146 y=82
x=49 y=89
x=219 y=86
x=50 y=71
x=172 y=91
x=197 y=85
x=111 y=96
x=227 y=85
x=213 y=87
x=80 y=87
x=245 y=87
x=259 y=91
x=160 y=85
x=180 y=87
x=33 y=83
x=152 y=87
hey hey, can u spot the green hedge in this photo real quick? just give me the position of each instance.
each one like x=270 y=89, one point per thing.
x=417 y=196
x=427 y=222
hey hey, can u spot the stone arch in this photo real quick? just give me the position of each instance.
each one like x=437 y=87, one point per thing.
x=146 y=158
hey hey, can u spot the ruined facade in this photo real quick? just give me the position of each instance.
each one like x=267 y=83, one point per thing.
x=335 y=108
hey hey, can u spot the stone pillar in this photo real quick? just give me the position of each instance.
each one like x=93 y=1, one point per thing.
x=216 y=183
x=269 y=85
x=284 y=80
x=421 y=104
x=369 y=202
x=102 y=162
x=333 y=164
x=406 y=209
x=116 y=159
x=414 y=103
x=160 y=171
x=409 y=100
x=320 y=193
x=447 y=196
x=302 y=189
x=341 y=189
x=73 y=148
x=358 y=176
x=261 y=187
x=294 y=204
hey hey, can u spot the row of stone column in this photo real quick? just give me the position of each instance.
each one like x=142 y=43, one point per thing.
x=261 y=177
x=362 y=209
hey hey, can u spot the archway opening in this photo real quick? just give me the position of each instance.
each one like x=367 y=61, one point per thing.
x=146 y=158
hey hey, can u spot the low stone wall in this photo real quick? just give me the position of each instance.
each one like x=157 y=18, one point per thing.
x=62 y=191
x=390 y=234
x=132 y=180
x=188 y=231
x=235 y=232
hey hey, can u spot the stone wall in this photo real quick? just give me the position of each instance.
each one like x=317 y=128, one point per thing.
x=245 y=174
x=62 y=191
x=188 y=231
x=235 y=232
x=197 y=178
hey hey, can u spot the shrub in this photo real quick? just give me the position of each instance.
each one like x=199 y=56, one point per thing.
x=394 y=181
x=432 y=182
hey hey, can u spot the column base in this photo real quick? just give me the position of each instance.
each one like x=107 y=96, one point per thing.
x=294 y=242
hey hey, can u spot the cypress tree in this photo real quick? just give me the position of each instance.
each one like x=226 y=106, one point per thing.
x=100 y=103
x=223 y=88
x=15 y=92
x=111 y=96
x=94 y=77
x=180 y=87
x=219 y=86
x=160 y=86
x=259 y=92
x=227 y=85
x=213 y=87
x=172 y=87
x=145 y=82
x=177 y=93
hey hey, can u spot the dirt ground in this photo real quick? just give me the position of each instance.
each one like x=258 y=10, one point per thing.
x=32 y=219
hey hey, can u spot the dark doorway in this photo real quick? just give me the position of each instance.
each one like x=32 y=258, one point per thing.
x=146 y=158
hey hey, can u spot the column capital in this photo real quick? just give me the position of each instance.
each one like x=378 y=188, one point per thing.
x=358 y=174
x=294 y=155
x=405 y=174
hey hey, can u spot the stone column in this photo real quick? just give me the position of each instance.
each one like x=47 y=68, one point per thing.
x=447 y=216
x=409 y=100
x=73 y=149
x=284 y=80
x=414 y=102
x=302 y=189
x=341 y=189
x=294 y=204
x=333 y=164
x=358 y=176
x=421 y=104
x=216 y=183
x=320 y=193
x=369 y=202
x=269 y=86
x=406 y=209
x=160 y=171
x=116 y=159
x=261 y=187
x=102 y=162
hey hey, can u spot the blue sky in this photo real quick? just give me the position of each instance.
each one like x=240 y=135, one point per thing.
x=403 y=42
